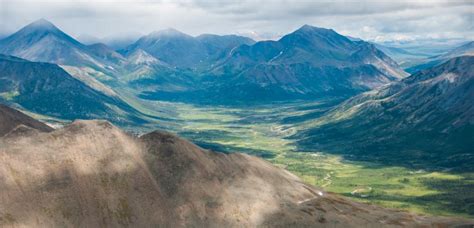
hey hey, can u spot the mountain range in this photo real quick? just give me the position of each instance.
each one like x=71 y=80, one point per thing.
x=427 y=118
x=310 y=62
x=466 y=49
x=339 y=95
x=181 y=50
x=92 y=174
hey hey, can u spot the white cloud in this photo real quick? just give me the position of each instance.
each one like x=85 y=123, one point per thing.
x=369 y=19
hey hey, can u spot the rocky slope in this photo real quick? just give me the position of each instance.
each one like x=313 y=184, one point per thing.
x=427 y=119
x=11 y=119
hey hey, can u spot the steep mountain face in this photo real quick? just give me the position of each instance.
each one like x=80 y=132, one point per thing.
x=47 y=89
x=306 y=63
x=91 y=174
x=11 y=119
x=41 y=41
x=427 y=117
x=463 y=50
x=181 y=50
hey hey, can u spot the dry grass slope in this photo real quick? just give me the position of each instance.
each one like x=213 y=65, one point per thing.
x=92 y=174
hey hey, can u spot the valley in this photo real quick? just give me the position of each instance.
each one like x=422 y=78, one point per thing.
x=265 y=130
x=341 y=113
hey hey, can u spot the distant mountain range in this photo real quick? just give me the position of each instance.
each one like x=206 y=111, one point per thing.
x=400 y=55
x=427 y=117
x=310 y=62
x=184 y=51
x=463 y=50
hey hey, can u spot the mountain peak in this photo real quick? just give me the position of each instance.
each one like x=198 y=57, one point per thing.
x=170 y=32
x=312 y=31
x=42 y=24
x=310 y=28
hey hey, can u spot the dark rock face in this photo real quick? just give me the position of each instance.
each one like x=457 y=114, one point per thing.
x=11 y=119
x=427 y=117
x=92 y=174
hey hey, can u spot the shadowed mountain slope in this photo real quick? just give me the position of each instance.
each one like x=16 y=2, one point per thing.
x=47 y=89
x=92 y=174
x=10 y=119
x=426 y=119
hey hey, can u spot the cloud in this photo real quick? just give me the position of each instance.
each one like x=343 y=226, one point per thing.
x=368 y=19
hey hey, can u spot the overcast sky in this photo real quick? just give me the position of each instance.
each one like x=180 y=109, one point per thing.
x=371 y=20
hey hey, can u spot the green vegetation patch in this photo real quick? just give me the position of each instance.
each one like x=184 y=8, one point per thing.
x=264 y=130
x=9 y=95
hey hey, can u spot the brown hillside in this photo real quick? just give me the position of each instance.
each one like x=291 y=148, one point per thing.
x=92 y=174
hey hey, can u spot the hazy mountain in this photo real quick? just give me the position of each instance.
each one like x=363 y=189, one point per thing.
x=106 y=53
x=218 y=46
x=466 y=49
x=184 y=51
x=172 y=47
x=11 y=119
x=92 y=174
x=167 y=61
x=41 y=41
x=307 y=63
x=115 y=42
x=426 y=119
x=47 y=89
x=401 y=56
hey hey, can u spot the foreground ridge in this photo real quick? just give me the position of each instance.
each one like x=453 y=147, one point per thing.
x=92 y=174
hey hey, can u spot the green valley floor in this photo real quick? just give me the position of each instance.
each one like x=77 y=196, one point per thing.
x=264 y=131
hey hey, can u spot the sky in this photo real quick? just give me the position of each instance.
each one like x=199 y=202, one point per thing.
x=380 y=21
